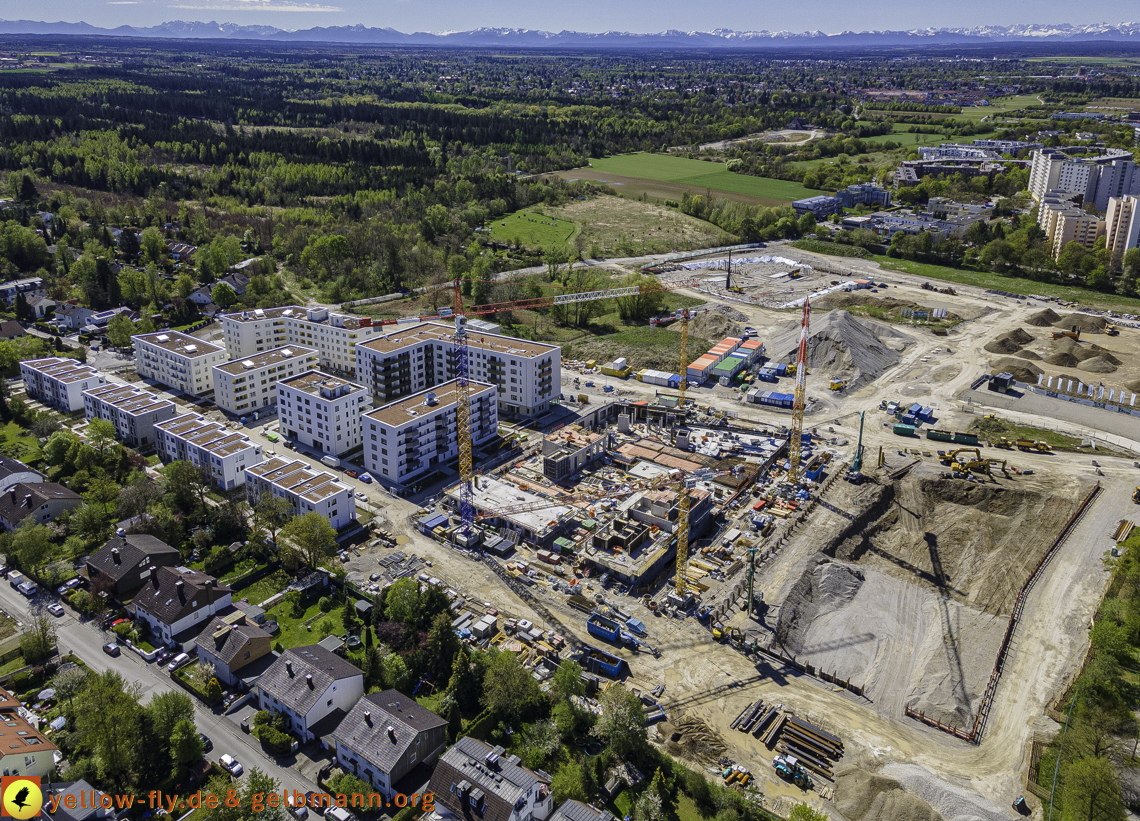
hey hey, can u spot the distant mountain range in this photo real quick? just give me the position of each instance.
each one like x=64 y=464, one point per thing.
x=529 y=38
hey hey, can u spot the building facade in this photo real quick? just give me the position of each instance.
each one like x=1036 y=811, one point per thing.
x=39 y=502
x=242 y=386
x=27 y=751
x=866 y=193
x=133 y=412
x=822 y=206
x=231 y=643
x=322 y=411
x=1122 y=224
x=308 y=684
x=1094 y=178
x=411 y=437
x=60 y=382
x=475 y=780
x=178 y=360
x=334 y=336
x=126 y=561
x=526 y=375
x=308 y=490
x=176 y=599
x=210 y=446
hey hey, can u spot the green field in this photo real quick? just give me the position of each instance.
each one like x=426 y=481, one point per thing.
x=999 y=106
x=532 y=228
x=700 y=174
x=905 y=138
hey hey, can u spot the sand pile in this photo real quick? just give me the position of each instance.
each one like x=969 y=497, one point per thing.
x=841 y=346
x=1043 y=319
x=1027 y=354
x=692 y=738
x=864 y=796
x=953 y=802
x=1097 y=364
x=714 y=325
x=828 y=588
x=1062 y=359
x=1083 y=322
x=1022 y=370
x=1009 y=342
x=1133 y=386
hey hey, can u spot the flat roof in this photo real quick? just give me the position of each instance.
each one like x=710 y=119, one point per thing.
x=276 y=356
x=60 y=369
x=128 y=398
x=177 y=342
x=436 y=331
x=312 y=382
x=413 y=407
x=259 y=314
x=299 y=478
x=491 y=494
x=207 y=434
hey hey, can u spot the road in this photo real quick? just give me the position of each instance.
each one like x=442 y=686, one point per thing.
x=85 y=640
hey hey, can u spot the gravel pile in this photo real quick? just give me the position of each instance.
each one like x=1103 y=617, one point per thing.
x=1009 y=342
x=864 y=796
x=841 y=346
x=1062 y=359
x=1083 y=322
x=1133 y=386
x=1022 y=370
x=1027 y=354
x=714 y=325
x=1043 y=319
x=1097 y=364
x=954 y=803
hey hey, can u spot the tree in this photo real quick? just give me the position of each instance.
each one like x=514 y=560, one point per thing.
x=622 y=721
x=153 y=245
x=119 y=330
x=463 y=684
x=28 y=191
x=647 y=807
x=568 y=681
x=185 y=484
x=100 y=434
x=213 y=692
x=803 y=812
x=223 y=295
x=312 y=536
x=107 y=715
x=1092 y=792
x=169 y=709
x=69 y=683
x=394 y=672
x=441 y=645
x=102 y=491
x=185 y=747
x=271 y=513
x=32 y=545
x=567 y=784
x=38 y=639
x=509 y=690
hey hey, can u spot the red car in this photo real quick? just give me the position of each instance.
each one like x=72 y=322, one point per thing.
x=117 y=622
x=351 y=473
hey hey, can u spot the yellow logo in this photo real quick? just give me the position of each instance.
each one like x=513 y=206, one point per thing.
x=20 y=796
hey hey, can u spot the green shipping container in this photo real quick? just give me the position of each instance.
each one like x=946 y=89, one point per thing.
x=940 y=435
x=966 y=438
x=905 y=430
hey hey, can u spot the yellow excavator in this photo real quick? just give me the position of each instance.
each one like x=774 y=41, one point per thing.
x=951 y=457
x=1136 y=496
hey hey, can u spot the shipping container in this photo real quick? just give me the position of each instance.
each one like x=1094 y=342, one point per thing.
x=966 y=438
x=604 y=628
x=940 y=435
x=548 y=557
x=904 y=430
x=781 y=368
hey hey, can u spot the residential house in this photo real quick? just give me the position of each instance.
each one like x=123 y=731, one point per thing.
x=572 y=810
x=74 y=315
x=31 y=287
x=478 y=782
x=231 y=643
x=180 y=251
x=237 y=280
x=77 y=801
x=385 y=735
x=121 y=566
x=43 y=306
x=14 y=472
x=24 y=750
x=176 y=599
x=11 y=329
x=313 y=688
x=41 y=502
x=201 y=296
x=59 y=382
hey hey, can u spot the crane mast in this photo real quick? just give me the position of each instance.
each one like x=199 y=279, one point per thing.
x=795 y=442
x=463 y=417
x=681 y=584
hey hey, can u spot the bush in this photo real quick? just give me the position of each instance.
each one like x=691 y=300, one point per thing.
x=325 y=604
x=262 y=717
x=274 y=740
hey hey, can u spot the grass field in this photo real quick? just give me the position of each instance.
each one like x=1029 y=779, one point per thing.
x=998 y=107
x=534 y=228
x=995 y=428
x=19 y=444
x=905 y=138
x=694 y=175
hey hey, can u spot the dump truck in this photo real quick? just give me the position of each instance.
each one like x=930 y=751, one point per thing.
x=838 y=384
x=1001 y=442
x=1111 y=330
x=1030 y=444
x=1075 y=333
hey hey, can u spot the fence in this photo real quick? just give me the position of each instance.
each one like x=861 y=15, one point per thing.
x=975 y=735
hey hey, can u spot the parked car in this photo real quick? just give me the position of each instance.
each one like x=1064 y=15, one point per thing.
x=178 y=661
x=366 y=478
x=231 y=765
x=164 y=655
x=111 y=649
x=70 y=584
x=296 y=806
x=207 y=745
x=29 y=589
x=352 y=474
x=55 y=608
x=360 y=495
x=117 y=622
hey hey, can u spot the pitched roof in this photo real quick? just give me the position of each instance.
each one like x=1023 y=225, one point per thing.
x=12 y=504
x=167 y=600
x=10 y=466
x=225 y=636
x=287 y=680
x=572 y=810
x=133 y=550
x=79 y=813
x=501 y=780
x=10 y=328
x=365 y=730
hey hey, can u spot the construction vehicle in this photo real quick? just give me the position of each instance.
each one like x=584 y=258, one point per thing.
x=1002 y=442
x=1136 y=496
x=855 y=475
x=795 y=440
x=838 y=384
x=926 y=286
x=1111 y=330
x=1029 y=444
x=789 y=769
x=950 y=457
x=1075 y=333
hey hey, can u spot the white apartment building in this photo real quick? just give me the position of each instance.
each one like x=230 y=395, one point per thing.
x=178 y=360
x=309 y=490
x=322 y=411
x=133 y=412
x=223 y=453
x=1095 y=179
x=1122 y=224
x=412 y=436
x=526 y=375
x=242 y=386
x=59 y=382
x=333 y=336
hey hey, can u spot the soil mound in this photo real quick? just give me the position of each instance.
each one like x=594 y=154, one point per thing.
x=1022 y=370
x=828 y=588
x=1105 y=354
x=1062 y=359
x=715 y=325
x=1043 y=319
x=863 y=796
x=1097 y=364
x=1028 y=355
x=1009 y=342
x=1083 y=322
x=1133 y=386
x=842 y=346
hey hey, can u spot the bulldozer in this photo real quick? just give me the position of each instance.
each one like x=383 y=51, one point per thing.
x=1111 y=330
x=838 y=384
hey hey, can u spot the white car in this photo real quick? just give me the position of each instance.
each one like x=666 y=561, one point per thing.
x=360 y=495
x=231 y=765
x=55 y=609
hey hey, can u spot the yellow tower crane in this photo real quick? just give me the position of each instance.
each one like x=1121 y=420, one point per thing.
x=681 y=584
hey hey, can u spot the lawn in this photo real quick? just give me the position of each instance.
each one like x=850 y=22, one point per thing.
x=617 y=226
x=904 y=137
x=999 y=106
x=534 y=228
x=993 y=428
x=259 y=591
x=16 y=442
x=12 y=666
x=699 y=174
x=293 y=632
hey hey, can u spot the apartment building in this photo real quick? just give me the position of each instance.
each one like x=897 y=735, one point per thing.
x=59 y=382
x=242 y=386
x=223 y=454
x=322 y=411
x=1095 y=179
x=131 y=410
x=1074 y=225
x=822 y=206
x=178 y=360
x=1122 y=224
x=334 y=336
x=309 y=490
x=410 y=437
x=866 y=193
x=526 y=375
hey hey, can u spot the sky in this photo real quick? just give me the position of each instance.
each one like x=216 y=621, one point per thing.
x=830 y=16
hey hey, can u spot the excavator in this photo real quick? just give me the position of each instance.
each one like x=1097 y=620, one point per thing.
x=950 y=457
x=1136 y=496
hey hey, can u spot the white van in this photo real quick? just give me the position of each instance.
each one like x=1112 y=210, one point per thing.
x=178 y=661
x=338 y=814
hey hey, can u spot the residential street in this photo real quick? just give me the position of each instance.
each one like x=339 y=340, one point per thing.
x=86 y=640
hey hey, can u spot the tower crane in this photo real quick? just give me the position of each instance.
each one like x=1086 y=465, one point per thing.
x=681 y=580
x=795 y=442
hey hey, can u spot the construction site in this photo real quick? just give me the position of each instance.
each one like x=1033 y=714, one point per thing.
x=885 y=600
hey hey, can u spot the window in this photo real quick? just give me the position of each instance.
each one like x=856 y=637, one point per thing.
x=328 y=703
